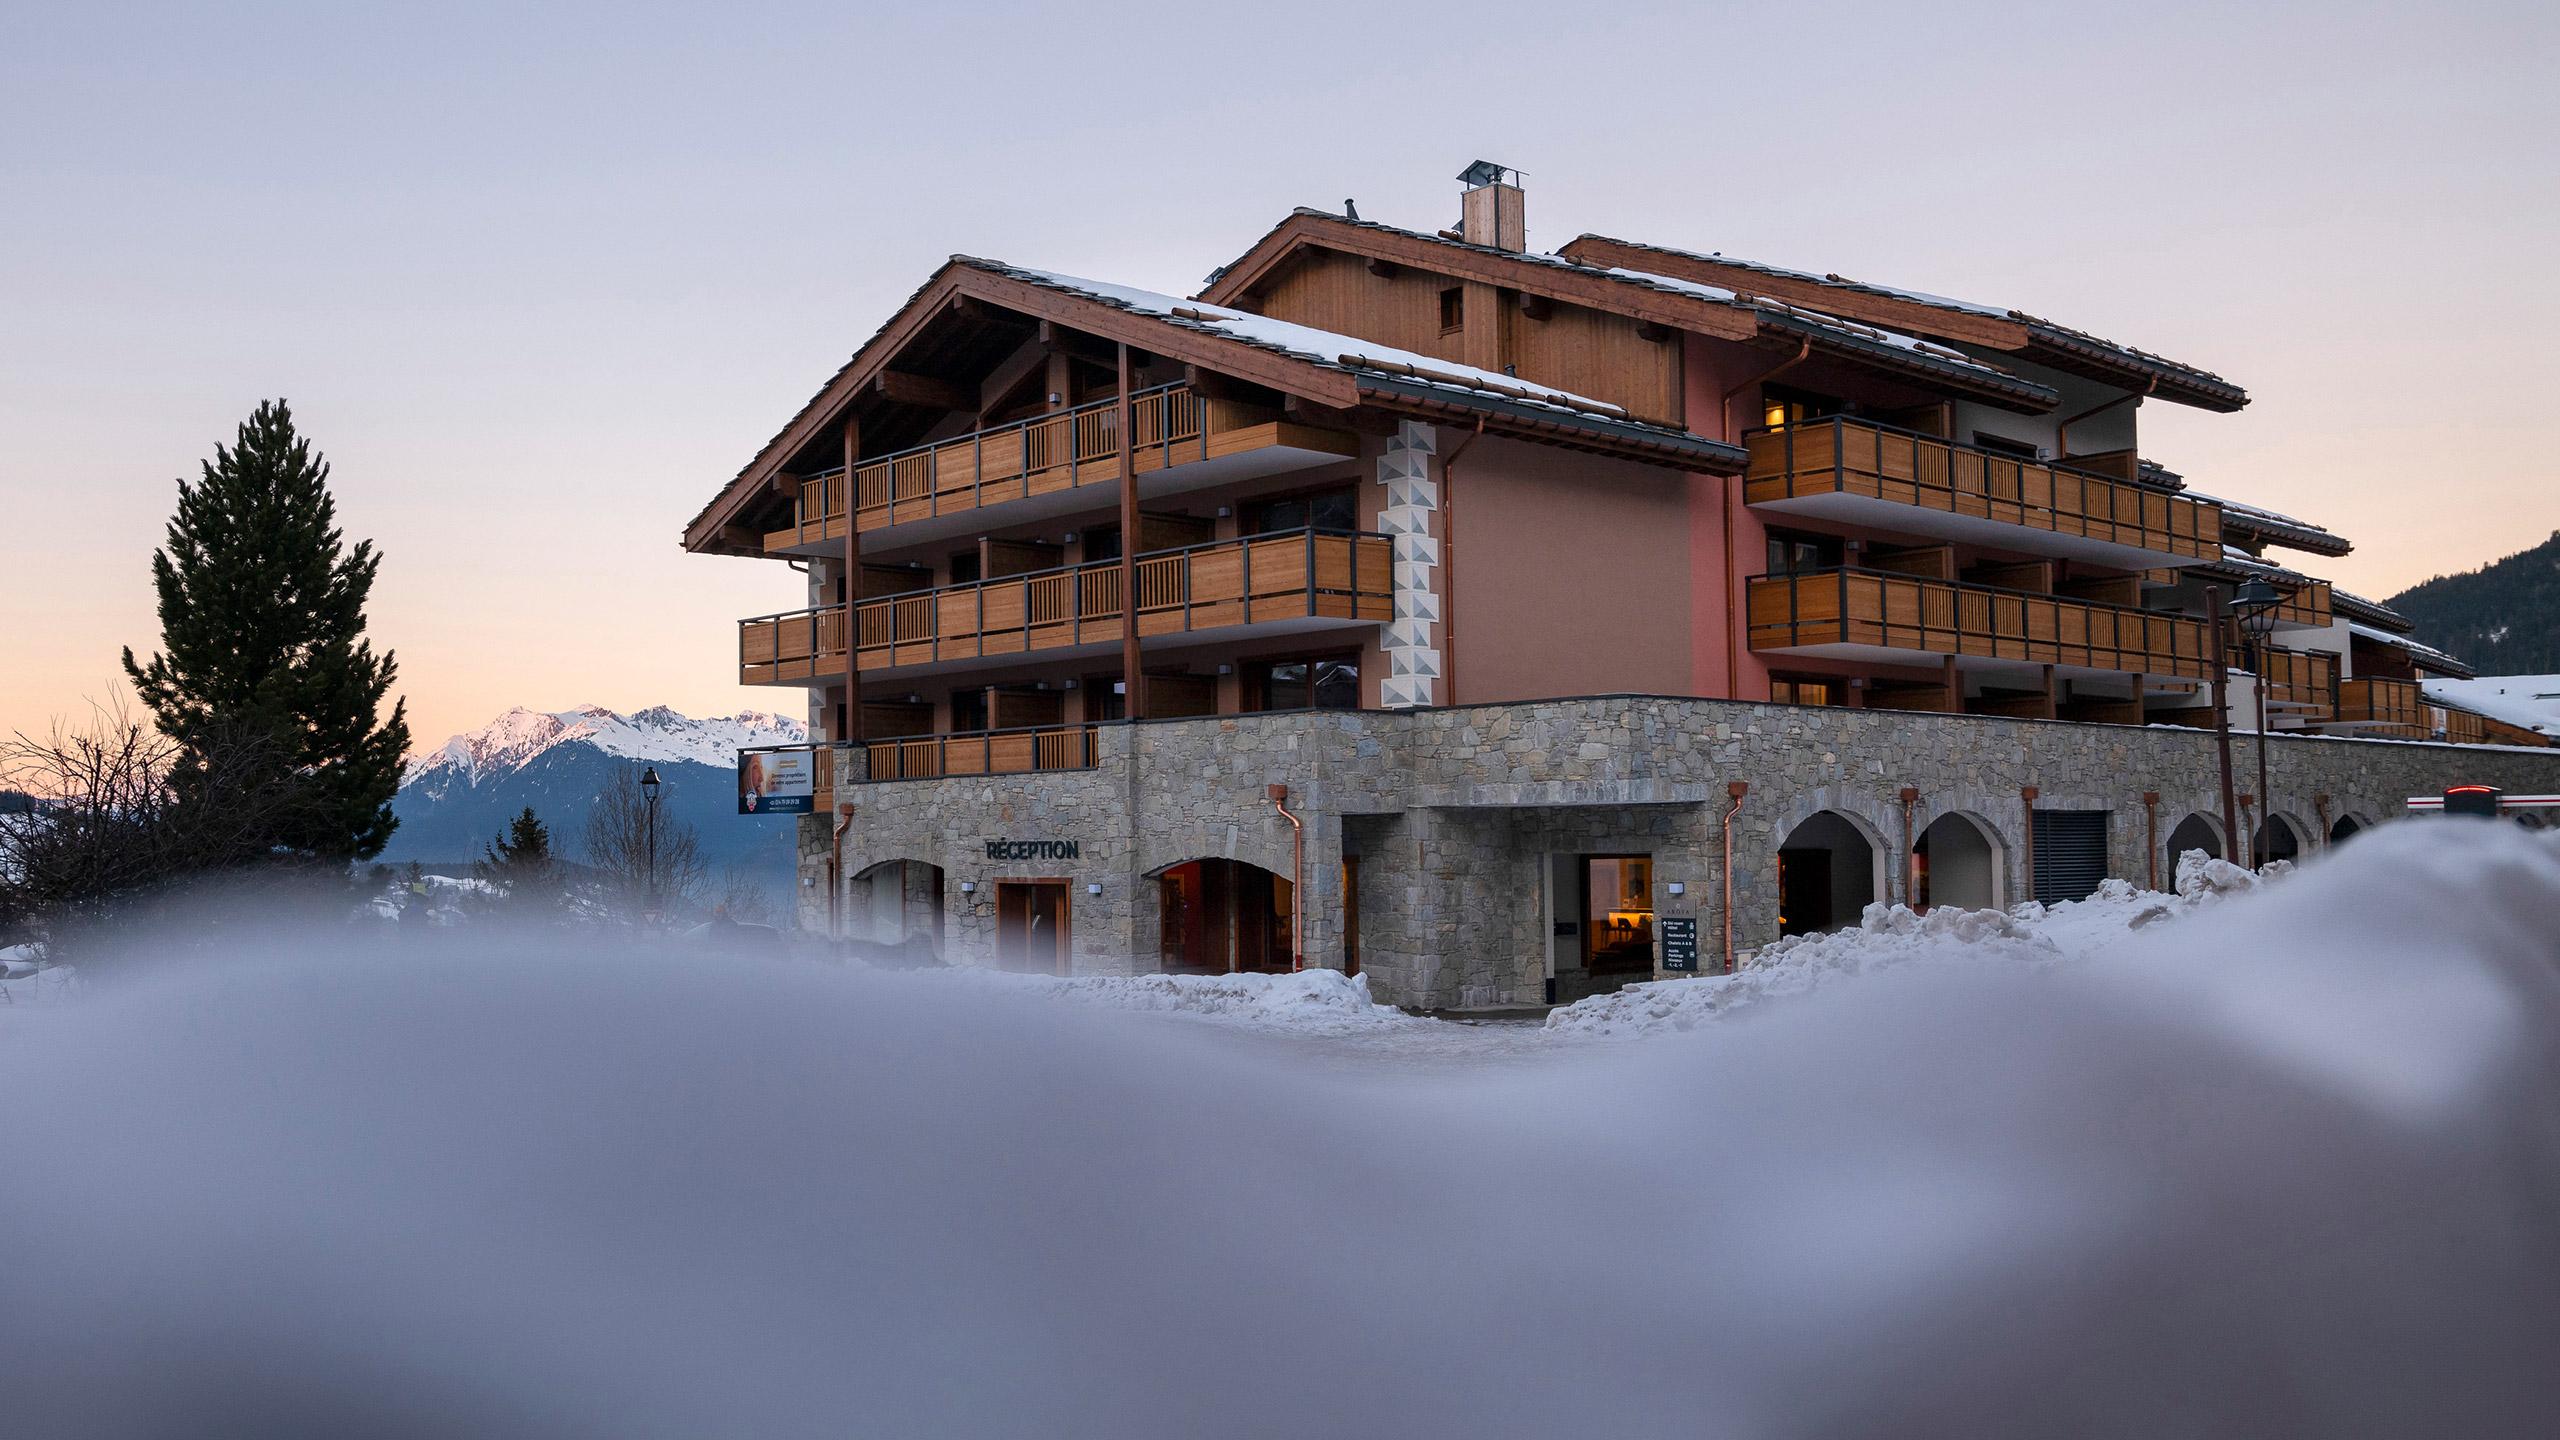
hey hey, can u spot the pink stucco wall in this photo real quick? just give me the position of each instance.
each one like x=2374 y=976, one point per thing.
x=1720 y=657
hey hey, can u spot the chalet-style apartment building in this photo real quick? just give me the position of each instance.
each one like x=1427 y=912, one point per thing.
x=1509 y=625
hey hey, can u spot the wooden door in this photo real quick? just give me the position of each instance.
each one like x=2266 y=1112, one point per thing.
x=1031 y=926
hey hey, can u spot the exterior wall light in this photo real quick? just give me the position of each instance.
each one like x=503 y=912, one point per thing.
x=1677 y=888
x=1093 y=889
x=968 y=887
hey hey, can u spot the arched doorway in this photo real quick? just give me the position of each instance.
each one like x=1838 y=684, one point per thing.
x=2276 y=840
x=2347 y=825
x=1828 y=871
x=2193 y=833
x=896 y=902
x=1956 y=862
x=1217 y=917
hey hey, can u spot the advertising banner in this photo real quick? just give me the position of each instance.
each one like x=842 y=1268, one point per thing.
x=777 y=782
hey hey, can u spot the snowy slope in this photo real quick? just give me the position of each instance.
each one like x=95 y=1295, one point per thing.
x=2532 y=701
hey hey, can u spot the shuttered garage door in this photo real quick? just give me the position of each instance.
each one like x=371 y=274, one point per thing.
x=2071 y=853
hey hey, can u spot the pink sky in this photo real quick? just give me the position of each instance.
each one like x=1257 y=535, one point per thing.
x=539 y=284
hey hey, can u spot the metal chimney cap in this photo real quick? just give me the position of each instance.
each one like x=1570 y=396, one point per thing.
x=1485 y=172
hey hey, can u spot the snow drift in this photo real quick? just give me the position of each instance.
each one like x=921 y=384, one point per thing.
x=2282 y=1168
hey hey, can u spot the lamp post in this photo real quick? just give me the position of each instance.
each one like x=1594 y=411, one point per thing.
x=649 y=807
x=2255 y=603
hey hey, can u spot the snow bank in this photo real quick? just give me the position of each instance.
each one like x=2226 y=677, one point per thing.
x=1887 y=938
x=2281 y=1168
x=1310 y=1002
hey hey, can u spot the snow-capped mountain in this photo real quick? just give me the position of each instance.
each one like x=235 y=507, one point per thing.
x=455 y=798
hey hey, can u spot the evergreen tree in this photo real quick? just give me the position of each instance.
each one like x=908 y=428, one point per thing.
x=520 y=863
x=262 y=635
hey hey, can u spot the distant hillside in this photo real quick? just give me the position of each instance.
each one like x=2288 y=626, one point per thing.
x=455 y=798
x=2504 y=618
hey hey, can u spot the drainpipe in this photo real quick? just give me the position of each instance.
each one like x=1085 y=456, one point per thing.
x=1735 y=791
x=2062 y=434
x=1910 y=860
x=835 y=873
x=1733 y=637
x=2151 y=834
x=2027 y=800
x=1449 y=563
x=1297 y=876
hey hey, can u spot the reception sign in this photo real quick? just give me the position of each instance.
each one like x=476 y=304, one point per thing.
x=777 y=782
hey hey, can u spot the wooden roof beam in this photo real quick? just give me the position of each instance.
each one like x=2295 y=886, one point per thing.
x=908 y=388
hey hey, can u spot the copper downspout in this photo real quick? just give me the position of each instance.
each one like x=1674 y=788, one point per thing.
x=1735 y=791
x=835 y=873
x=1733 y=637
x=2027 y=799
x=1297 y=876
x=1910 y=859
x=2151 y=834
x=2062 y=433
x=2320 y=807
x=1449 y=564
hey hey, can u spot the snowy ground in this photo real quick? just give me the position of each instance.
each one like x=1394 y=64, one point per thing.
x=2273 y=1163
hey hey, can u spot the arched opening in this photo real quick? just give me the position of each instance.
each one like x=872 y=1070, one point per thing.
x=1827 y=873
x=1217 y=917
x=2347 y=825
x=896 y=903
x=1956 y=862
x=2275 y=840
x=2193 y=833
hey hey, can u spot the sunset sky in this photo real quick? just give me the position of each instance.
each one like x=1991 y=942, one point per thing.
x=539 y=279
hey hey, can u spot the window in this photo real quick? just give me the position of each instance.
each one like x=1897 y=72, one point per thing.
x=1782 y=406
x=1807 y=690
x=1101 y=542
x=1325 y=682
x=1453 y=309
x=2003 y=445
x=968 y=711
x=1793 y=552
x=1323 y=509
x=1105 y=698
x=964 y=567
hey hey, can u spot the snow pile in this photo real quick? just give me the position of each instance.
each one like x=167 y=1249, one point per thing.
x=2029 y=935
x=1310 y=1002
x=1884 y=939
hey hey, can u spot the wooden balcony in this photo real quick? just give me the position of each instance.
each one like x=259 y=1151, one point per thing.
x=2299 y=682
x=1890 y=618
x=1858 y=472
x=983 y=752
x=2305 y=607
x=1288 y=581
x=1035 y=467
x=2375 y=706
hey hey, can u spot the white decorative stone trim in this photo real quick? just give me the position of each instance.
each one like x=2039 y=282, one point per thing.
x=1413 y=497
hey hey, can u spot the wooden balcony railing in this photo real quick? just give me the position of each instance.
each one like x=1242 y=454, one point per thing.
x=2306 y=607
x=2296 y=679
x=1883 y=610
x=1284 y=575
x=983 y=752
x=1838 y=455
x=2392 y=706
x=1170 y=425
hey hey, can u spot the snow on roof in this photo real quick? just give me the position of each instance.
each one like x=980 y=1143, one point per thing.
x=2238 y=559
x=2373 y=610
x=2532 y=701
x=2423 y=654
x=1854 y=328
x=1322 y=347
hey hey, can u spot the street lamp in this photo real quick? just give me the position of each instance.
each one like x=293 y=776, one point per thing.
x=649 y=798
x=2255 y=603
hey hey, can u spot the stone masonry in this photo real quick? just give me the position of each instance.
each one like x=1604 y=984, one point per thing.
x=1452 y=813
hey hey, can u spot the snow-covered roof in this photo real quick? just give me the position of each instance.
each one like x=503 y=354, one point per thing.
x=2357 y=607
x=2046 y=332
x=1911 y=347
x=2235 y=558
x=2286 y=530
x=2426 y=655
x=2531 y=701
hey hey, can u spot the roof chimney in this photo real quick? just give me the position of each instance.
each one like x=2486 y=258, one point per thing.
x=1492 y=211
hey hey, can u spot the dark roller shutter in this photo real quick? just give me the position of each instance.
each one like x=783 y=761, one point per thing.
x=2071 y=853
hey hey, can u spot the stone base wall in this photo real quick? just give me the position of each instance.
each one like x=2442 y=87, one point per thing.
x=1453 y=813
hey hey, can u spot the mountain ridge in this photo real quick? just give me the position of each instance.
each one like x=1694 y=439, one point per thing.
x=2503 y=618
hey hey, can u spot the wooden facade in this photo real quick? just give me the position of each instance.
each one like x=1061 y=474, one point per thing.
x=1837 y=455
x=2383 y=707
x=1292 y=575
x=2298 y=681
x=1882 y=611
x=1171 y=425
x=985 y=752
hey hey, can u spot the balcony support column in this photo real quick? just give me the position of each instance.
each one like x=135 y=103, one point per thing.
x=1132 y=681
x=852 y=590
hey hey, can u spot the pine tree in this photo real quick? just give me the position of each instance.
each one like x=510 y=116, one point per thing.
x=520 y=863
x=262 y=639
